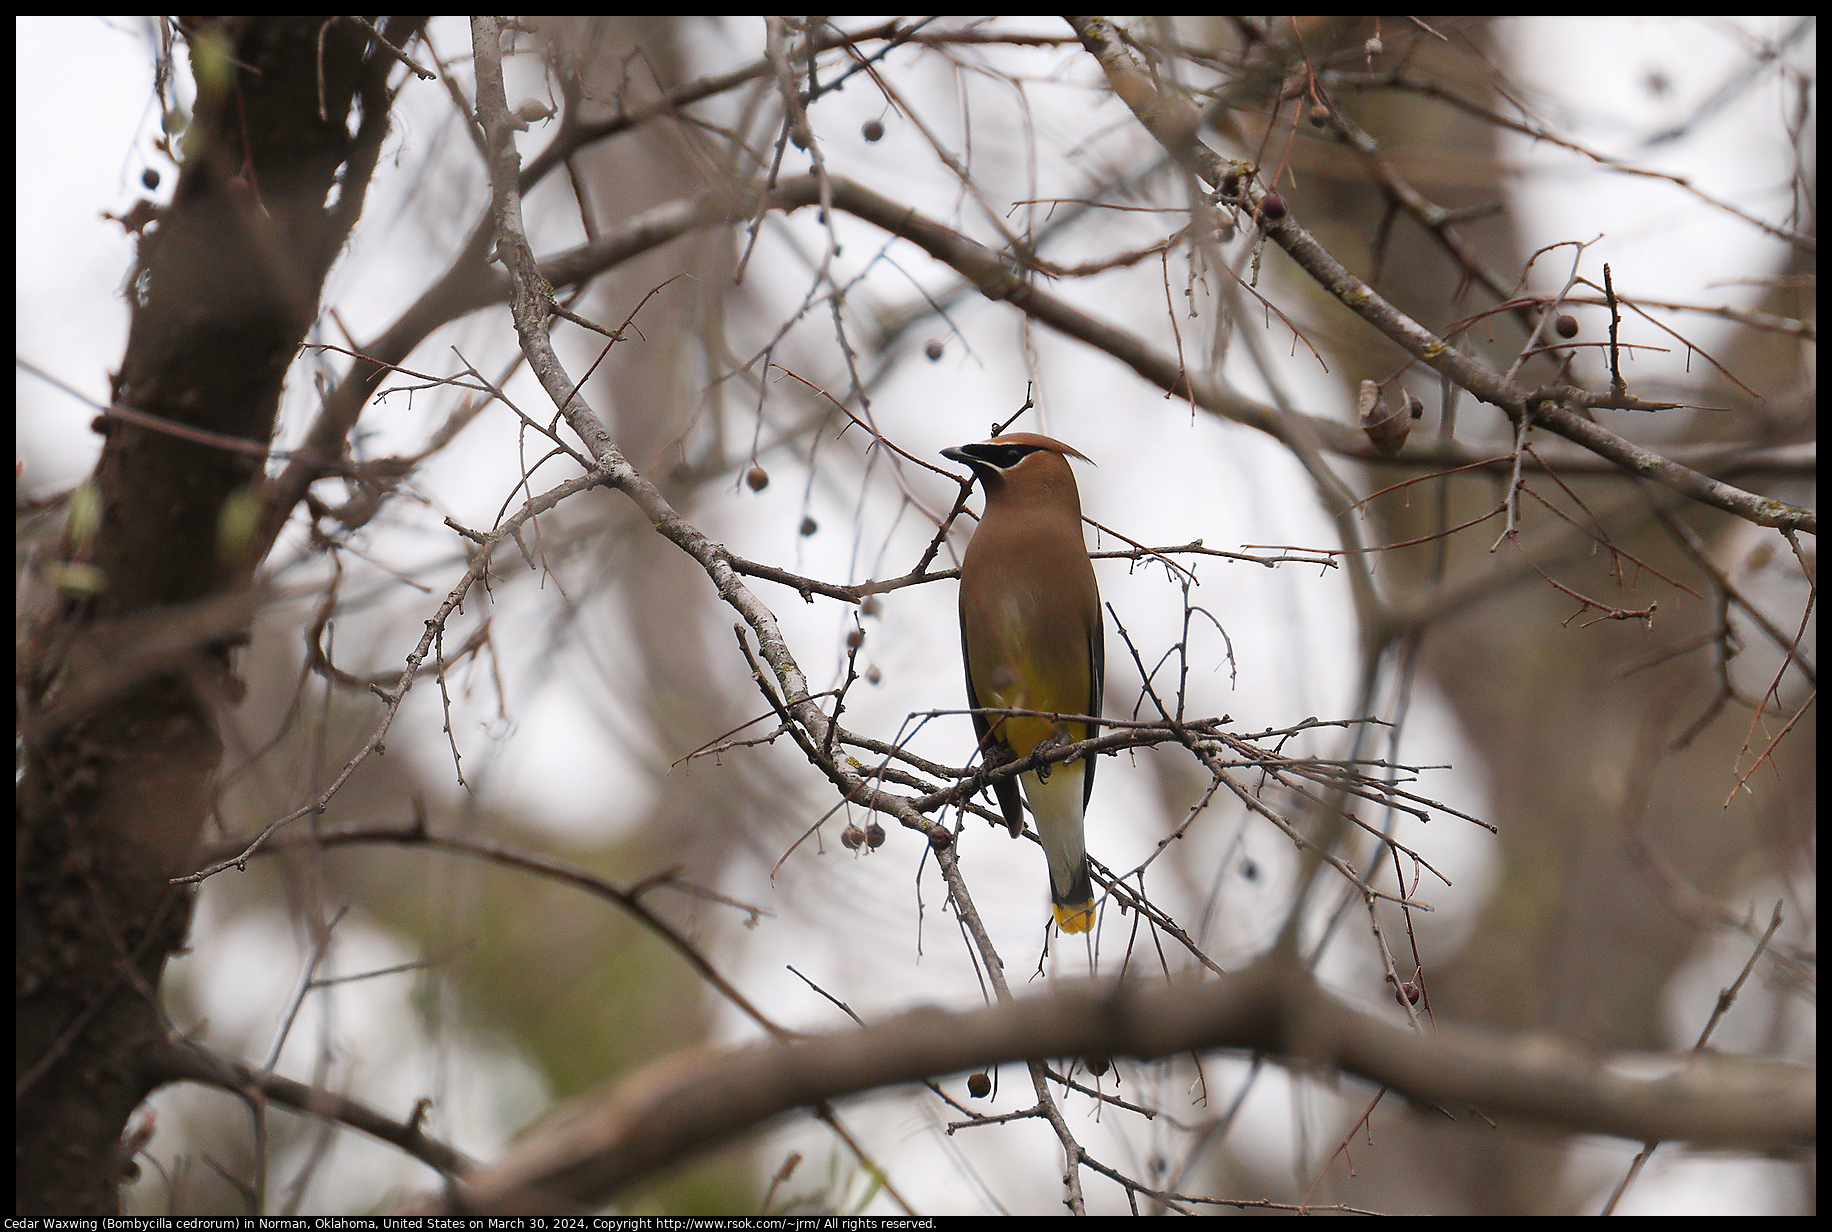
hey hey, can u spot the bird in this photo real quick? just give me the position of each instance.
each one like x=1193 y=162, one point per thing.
x=1032 y=639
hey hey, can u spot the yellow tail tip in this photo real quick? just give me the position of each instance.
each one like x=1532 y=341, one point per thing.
x=1075 y=917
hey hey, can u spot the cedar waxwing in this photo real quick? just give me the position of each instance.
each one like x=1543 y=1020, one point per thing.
x=1032 y=639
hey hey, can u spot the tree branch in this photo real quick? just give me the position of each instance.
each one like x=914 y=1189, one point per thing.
x=1173 y=121
x=601 y=1144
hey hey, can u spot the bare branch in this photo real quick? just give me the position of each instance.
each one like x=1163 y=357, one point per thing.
x=600 y=1146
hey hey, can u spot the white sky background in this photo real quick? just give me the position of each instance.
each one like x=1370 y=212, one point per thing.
x=81 y=151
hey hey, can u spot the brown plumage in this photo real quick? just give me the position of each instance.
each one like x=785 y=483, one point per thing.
x=1031 y=638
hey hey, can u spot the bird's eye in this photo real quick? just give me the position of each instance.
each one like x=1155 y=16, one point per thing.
x=1004 y=456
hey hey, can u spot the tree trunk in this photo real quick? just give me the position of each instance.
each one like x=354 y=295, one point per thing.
x=123 y=673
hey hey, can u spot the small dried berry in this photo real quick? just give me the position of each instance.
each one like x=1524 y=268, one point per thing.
x=1416 y=407
x=933 y=351
x=873 y=675
x=1319 y=115
x=979 y=1086
x=939 y=838
x=1272 y=206
x=809 y=526
x=871 y=606
x=874 y=836
x=757 y=478
x=150 y=177
x=1386 y=429
x=1566 y=325
x=852 y=838
x=855 y=638
x=1097 y=1065
x=873 y=131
